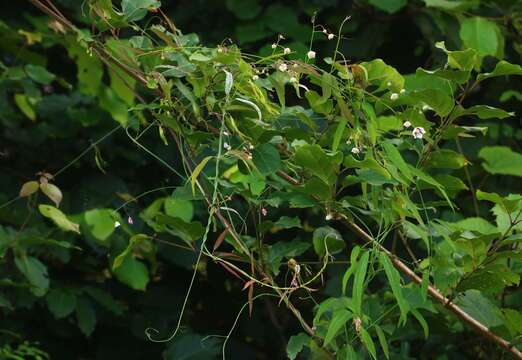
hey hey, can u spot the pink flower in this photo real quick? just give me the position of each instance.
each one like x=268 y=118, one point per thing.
x=130 y=221
x=264 y=212
x=418 y=132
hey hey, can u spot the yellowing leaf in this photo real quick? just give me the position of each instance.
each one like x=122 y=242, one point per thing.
x=53 y=192
x=59 y=218
x=29 y=188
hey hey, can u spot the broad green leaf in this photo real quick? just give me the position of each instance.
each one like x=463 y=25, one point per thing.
x=53 y=192
x=182 y=209
x=111 y=102
x=197 y=170
x=339 y=131
x=35 y=272
x=286 y=222
x=39 y=74
x=482 y=112
x=462 y=60
x=382 y=341
x=188 y=231
x=296 y=344
x=339 y=319
x=368 y=343
x=135 y=10
x=395 y=157
x=358 y=283
x=327 y=240
x=451 y=5
x=85 y=316
x=439 y=101
x=383 y=76
x=482 y=35
x=394 y=279
x=59 y=218
x=458 y=76
x=389 y=6
x=501 y=160
x=25 y=106
x=61 y=303
x=89 y=68
x=368 y=163
x=513 y=321
x=266 y=158
x=503 y=68
x=100 y=223
x=480 y=308
x=133 y=242
x=29 y=188
x=315 y=160
x=132 y=273
x=446 y=159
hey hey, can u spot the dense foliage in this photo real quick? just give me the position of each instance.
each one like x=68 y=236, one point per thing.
x=282 y=193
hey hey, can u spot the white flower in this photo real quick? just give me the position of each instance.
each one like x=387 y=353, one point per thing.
x=330 y=36
x=281 y=37
x=388 y=84
x=282 y=67
x=116 y=224
x=287 y=51
x=251 y=147
x=324 y=31
x=311 y=54
x=264 y=212
x=356 y=150
x=425 y=108
x=402 y=91
x=274 y=45
x=225 y=133
x=227 y=146
x=293 y=79
x=394 y=96
x=255 y=77
x=418 y=132
x=406 y=124
x=328 y=217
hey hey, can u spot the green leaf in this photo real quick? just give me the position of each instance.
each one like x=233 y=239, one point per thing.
x=197 y=170
x=446 y=159
x=133 y=242
x=351 y=269
x=368 y=163
x=380 y=74
x=480 y=308
x=59 y=218
x=86 y=316
x=315 y=160
x=135 y=10
x=358 y=283
x=89 y=68
x=61 y=303
x=501 y=160
x=100 y=223
x=458 y=76
x=182 y=209
x=503 y=68
x=462 y=60
x=266 y=158
x=394 y=279
x=327 y=238
x=389 y=6
x=25 y=106
x=39 y=74
x=286 y=249
x=395 y=157
x=35 y=272
x=451 y=5
x=53 y=192
x=382 y=341
x=339 y=131
x=339 y=319
x=482 y=112
x=416 y=313
x=286 y=222
x=368 y=343
x=188 y=231
x=439 y=101
x=132 y=273
x=482 y=35
x=296 y=344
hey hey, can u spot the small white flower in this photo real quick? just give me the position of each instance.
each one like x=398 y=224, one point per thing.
x=418 y=132
x=330 y=36
x=328 y=217
x=293 y=79
x=394 y=96
x=255 y=77
x=282 y=67
x=287 y=51
x=251 y=147
x=324 y=31
x=227 y=146
x=406 y=124
x=274 y=45
x=281 y=37
x=388 y=84
x=225 y=133
x=311 y=54
x=420 y=112
x=356 y=150
x=219 y=50
x=116 y=224
x=402 y=91
x=425 y=108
